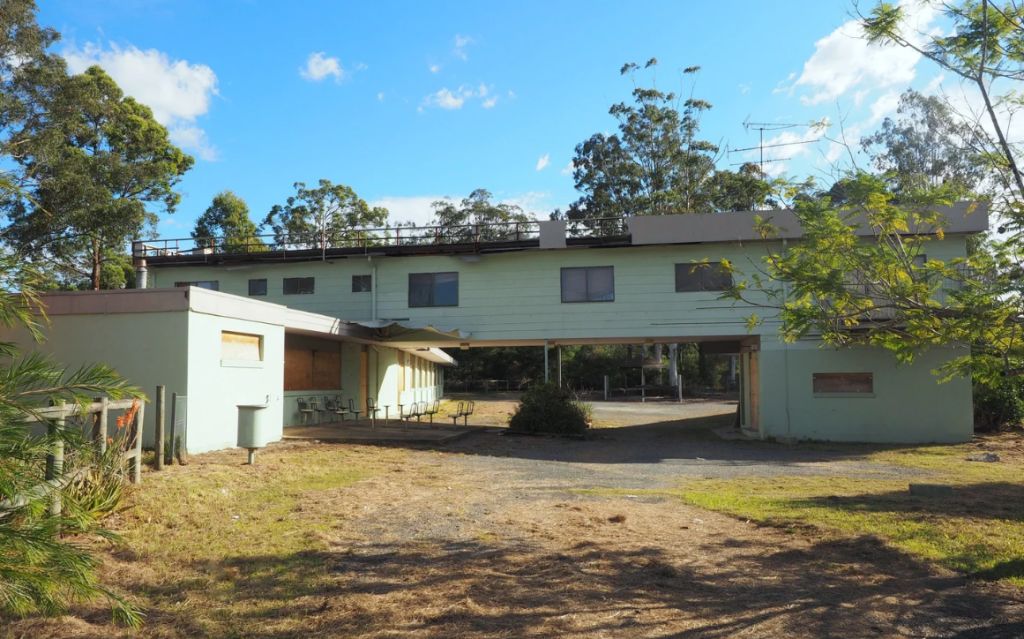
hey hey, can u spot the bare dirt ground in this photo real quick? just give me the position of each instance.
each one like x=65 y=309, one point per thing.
x=499 y=536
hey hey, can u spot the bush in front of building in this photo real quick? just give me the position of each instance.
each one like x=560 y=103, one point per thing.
x=998 y=404
x=547 y=409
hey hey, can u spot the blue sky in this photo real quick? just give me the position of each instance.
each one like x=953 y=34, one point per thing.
x=409 y=102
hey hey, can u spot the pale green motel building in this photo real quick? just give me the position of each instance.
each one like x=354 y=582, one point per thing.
x=366 y=317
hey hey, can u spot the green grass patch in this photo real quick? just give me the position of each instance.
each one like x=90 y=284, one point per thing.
x=979 y=530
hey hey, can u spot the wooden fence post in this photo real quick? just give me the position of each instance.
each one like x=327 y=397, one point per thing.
x=104 y=416
x=158 y=442
x=174 y=419
x=137 y=444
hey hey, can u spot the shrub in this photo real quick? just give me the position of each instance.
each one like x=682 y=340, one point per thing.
x=998 y=404
x=546 y=408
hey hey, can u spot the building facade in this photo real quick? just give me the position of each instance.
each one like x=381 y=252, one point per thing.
x=654 y=282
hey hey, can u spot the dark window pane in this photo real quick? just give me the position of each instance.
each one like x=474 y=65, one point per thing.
x=298 y=285
x=688 y=278
x=574 y=285
x=258 y=287
x=433 y=289
x=361 y=284
x=588 y=284
x=421 y=289
x=446 y=289
x=696 y=276
x=716 y=278
x=601 y=284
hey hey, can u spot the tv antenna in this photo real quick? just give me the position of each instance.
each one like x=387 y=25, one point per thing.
x=761 y=127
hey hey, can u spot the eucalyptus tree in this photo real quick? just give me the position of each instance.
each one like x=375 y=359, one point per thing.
x=321 y=217
x=657 y=163
x=226 y=222
x=93 y=168
x=477 y=216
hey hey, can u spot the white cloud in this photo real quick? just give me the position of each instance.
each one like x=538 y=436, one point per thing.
x=435 y=68
x=452 y=100
x=461 y=42
x=543 y=162
x=177 y=91
x=410 y=208
x=786 y=146
x=884 y=105
x=194 y=139
x=380 y=96
x=320 y=66
x=844 y=61
x=568 y=168
x=445 y=99
x=744 y=88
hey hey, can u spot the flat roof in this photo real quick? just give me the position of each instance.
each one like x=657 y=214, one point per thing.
x=644 y=230
x=207 y=302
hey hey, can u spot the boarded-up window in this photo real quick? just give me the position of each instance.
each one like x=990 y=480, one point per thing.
x=847 y=383
x=309 y=369
x=241 y=346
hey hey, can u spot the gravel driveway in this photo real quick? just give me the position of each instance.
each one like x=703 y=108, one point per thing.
x=494 y=537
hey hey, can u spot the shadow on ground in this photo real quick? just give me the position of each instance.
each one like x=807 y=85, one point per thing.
x=479 y=589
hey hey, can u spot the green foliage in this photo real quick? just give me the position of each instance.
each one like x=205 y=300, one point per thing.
x=548 y=409
x=657 y=164
x=458 y=222
x=227 y=225
x=998 y=404
x=519 y=365
x=91 y=163
x=328 y=215
x=43 y=568
x=924 y=147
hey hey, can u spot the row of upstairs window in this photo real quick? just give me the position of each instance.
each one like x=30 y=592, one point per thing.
x=578 y=284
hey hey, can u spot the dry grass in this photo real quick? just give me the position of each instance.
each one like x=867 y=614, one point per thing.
x=372 y=542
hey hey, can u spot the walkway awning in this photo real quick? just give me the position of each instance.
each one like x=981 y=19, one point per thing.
x=404 y=331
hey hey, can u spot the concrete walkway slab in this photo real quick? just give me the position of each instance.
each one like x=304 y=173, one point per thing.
x=364 y=433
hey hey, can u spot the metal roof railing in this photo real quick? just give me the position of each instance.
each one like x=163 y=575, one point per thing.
x=369 y=239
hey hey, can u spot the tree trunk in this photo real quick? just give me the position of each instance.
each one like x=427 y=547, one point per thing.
x=659 y=354
x=673 y=365
x=97 y=270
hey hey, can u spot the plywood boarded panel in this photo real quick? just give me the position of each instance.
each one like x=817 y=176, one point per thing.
x=298 y=368
x=241 y=346
x=844 y=383
x=326 y=370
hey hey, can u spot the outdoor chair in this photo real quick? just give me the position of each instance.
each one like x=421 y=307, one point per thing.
x=432 y=409
x=314 y=406
x=306 y=412
x=421 y=410
x=352 y=408
x=407 y=411
x=327 y=407
x=460 y=408
x=372 y=410
x=339 y=408
x=465 y=409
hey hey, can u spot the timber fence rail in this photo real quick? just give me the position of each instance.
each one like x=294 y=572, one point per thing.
x=56 y=417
